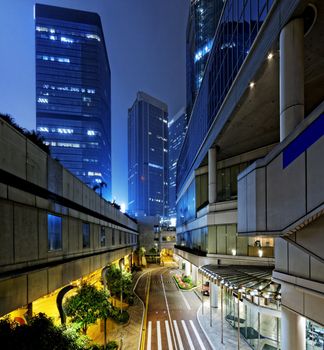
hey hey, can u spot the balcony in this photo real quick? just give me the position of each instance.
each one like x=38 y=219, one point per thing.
x=284 y=191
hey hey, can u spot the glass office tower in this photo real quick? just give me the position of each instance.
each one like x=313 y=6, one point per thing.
x=202 y=23
x=148 y=157
x=177 y=130
x=73 y=96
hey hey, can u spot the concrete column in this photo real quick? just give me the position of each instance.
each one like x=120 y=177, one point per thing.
x=194 y=274
x=293 y=330
x=291 y=76
x=212 y=178
x=187 y=269
x=213 y=294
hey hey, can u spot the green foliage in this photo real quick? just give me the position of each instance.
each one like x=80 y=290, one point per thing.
x=118 y=282
x=40 y=334
x=87 y=306
x=112 y=345
x=187 y=279
x=120 y=317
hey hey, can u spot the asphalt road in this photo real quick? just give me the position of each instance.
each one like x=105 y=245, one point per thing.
x=171 y=316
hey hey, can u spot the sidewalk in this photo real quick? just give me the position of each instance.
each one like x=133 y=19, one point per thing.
x=214 y=332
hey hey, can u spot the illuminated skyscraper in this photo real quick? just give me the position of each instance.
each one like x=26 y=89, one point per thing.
x=73 y=95
x=202 y=23
x=148 y=157
x=177 y=129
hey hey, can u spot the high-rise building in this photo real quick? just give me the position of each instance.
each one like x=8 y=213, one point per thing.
x=250 y=174
x=73 y=96
x=177 y=129
x=148 y=157
x=202 y=23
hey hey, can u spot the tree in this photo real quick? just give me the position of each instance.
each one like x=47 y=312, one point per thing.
x=87 y=306
x=99 y=187
x=40 y=333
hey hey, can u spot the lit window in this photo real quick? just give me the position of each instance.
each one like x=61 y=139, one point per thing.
x=86 y=99
x=91 y=133
x=65 y=131
x=63 y=60
x=41 y=29
x=66 y=144
x=93 y=36
x=42 y=129
x=202 y=52
x=42 y=100
x=91 y=91
x=85 y=235
x=53 y=37
x=93 y=173
x=52 y=30
x=66 y=40
x=155 y=166
x=54 y=232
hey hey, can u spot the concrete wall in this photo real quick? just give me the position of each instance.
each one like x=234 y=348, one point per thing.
x=274 y=198
x=32 y=186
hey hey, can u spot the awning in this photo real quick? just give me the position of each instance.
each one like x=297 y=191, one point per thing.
x=248 y=281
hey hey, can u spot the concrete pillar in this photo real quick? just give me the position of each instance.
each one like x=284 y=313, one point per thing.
x=291 y=76
x=212 y=178
x=194 y=274
x=213 y=294
x=293 y=330
x=187 y=269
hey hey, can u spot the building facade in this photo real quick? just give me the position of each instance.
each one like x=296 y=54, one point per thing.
x=55 y=230
x=73 y=97
x=177 y=130
x=201 y=26
x=249 y=175
x=148 y=157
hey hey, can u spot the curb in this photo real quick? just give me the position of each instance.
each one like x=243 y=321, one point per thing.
x=202 y=328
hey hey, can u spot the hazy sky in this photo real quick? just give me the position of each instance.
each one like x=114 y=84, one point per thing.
x=145 y=40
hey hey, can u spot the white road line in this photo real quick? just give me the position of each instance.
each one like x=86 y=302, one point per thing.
x=149 y=336
x=167 y=327
x=187 y=335
x=185 y=300
x=169 y=316
x=158 y=328
x=178 y=335
x=197 y=335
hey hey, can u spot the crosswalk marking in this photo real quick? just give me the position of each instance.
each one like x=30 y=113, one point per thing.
x=187 y=335
x=191 y=334
x=167 y=327
x=197 y=335
x=178 y=335
x=149 y=336
x=158 y=327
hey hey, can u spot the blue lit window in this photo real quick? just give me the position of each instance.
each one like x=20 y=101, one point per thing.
x=42 y=100
x=85 y=235
x=202 y=52
x=66 y=40
x=54 y=232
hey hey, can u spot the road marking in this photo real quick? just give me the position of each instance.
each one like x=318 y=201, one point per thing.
x=158 y=328
x=178 y=335
x=167 y=327
x=149 y=336
x=168 y=310
x=197 y=335
x=187 y=335
x=185 y=300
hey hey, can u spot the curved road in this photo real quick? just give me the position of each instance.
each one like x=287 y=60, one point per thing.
x=171 y=316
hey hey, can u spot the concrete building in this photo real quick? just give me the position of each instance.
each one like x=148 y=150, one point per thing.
x=148 y=157
x=259 y=113
x=73 y=92
x=177 y=130
x=54 y=229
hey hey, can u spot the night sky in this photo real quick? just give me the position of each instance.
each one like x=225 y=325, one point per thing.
x=145 y=41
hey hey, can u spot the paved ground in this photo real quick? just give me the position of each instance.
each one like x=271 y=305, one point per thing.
x=171 y=319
